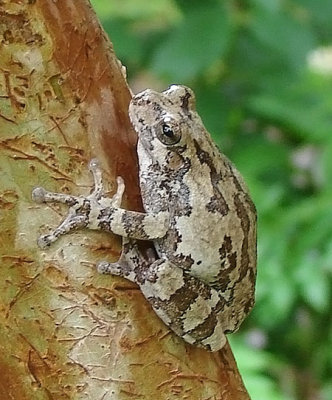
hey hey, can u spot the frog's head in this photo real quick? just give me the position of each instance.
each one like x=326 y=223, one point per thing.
x=162 y=120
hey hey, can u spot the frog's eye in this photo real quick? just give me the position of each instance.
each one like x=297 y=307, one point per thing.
x=168 y=134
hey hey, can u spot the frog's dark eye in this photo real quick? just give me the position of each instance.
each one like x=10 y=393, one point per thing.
x=169 y=134
x=167 y=130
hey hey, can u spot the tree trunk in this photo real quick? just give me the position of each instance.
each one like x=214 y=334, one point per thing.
x=67 y=332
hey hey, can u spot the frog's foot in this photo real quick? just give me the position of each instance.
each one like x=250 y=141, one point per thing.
x=131 y=264
x=124 y=266
x=84 y=210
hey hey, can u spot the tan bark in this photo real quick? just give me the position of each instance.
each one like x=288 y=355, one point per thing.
x=65 y=331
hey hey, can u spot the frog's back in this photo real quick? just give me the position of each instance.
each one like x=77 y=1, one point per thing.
x=213 y=227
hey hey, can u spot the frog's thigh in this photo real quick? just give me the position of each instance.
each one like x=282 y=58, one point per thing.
x=188 y=306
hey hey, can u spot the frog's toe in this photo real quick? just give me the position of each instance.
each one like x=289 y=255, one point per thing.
x=94 y=164
x=38 y=195
x=119 y=268
x=106 y=268
x=45 y=241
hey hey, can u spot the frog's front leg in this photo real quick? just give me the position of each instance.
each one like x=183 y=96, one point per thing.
x=96 y=211
x=188 y=306
x=83 y=210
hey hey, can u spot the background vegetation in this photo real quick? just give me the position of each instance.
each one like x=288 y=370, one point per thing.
x=262 y=73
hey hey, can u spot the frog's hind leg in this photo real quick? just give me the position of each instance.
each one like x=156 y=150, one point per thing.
x=188 y=306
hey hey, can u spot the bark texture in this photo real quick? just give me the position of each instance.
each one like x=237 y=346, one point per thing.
x=65 y=331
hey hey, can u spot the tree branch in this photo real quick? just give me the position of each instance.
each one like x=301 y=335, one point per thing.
x=65 y=331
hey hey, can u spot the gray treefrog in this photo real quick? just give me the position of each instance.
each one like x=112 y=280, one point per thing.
x=198 y=213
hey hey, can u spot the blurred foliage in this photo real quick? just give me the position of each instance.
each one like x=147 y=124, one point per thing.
x=263 y=83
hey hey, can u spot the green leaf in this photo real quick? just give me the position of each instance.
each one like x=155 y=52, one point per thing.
x=198 y=41
x=272 y=161
x=313 y=281
x=254 y=365
x=134 y=9
x=290 y=38
x=186 y=5
x=320 y=16
x=327 y=391
x=261 y=387
x=270 y=5
x=127 y=44
x=214 y=111
x=302 y=105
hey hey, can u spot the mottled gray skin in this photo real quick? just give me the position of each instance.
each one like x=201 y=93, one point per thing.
x=198 y=213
